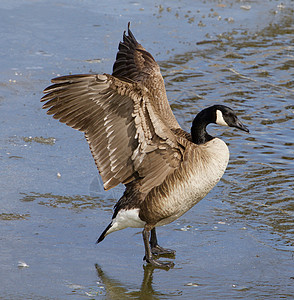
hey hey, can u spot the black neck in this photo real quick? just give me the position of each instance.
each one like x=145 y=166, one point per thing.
x=198 y=129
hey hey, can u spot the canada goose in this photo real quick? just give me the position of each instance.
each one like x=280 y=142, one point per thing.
x=136 y=140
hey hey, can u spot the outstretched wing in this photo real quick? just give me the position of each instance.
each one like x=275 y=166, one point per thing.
x=135 y=63
x=127 y=137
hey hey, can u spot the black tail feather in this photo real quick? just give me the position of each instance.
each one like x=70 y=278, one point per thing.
x=104 y=233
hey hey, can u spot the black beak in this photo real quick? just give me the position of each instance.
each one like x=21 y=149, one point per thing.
x=239 y=125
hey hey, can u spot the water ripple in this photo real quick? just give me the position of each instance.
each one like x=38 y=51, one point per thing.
x=253 y=74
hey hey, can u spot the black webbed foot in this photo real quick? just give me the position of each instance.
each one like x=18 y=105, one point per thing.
x=159 y=264
x=148 y=252
x=157 y=250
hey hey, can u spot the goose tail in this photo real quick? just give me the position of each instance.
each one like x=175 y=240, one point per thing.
x=104 y=233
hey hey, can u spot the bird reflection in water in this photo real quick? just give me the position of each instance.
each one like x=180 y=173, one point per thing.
x=116 y=290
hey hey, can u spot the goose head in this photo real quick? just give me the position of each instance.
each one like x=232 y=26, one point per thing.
x=217 y=114
x=225 y=116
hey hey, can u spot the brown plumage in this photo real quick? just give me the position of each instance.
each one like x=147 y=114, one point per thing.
x=136 y=140
x=121 y=124
x=134 y=63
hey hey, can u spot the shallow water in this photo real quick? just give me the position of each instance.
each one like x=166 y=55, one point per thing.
x=238 y=242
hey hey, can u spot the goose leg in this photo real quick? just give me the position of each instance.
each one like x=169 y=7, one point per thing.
x=155 y=248
x=148 y=254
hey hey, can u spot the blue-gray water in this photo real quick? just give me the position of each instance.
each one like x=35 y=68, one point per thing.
x=238 y=242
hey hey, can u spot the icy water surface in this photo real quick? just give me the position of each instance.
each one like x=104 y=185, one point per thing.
x=237 y=243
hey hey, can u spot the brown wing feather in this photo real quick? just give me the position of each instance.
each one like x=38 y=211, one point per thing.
x=127 y=137
x=135 y=63
x=132 y=60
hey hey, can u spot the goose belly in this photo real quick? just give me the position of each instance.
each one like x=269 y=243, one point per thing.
x=195 y=183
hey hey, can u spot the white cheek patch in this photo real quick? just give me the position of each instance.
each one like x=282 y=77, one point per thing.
x=220 y=119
